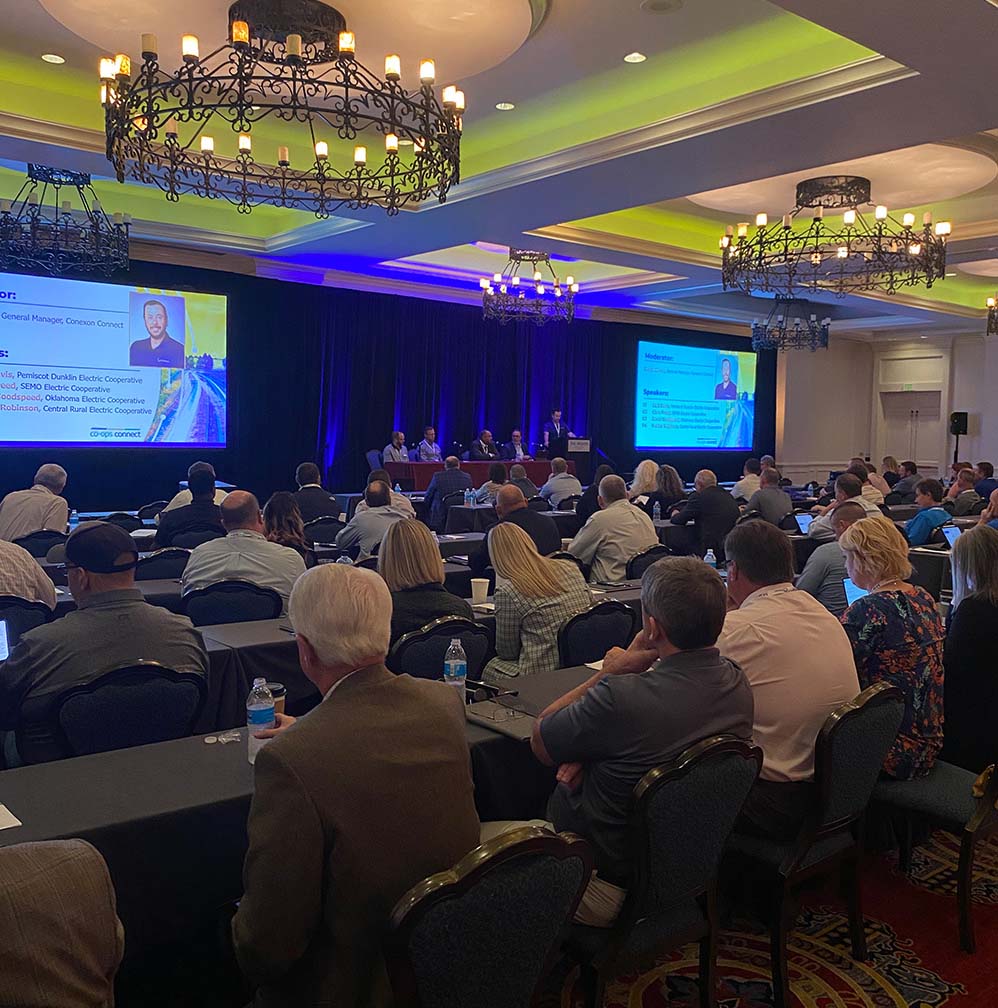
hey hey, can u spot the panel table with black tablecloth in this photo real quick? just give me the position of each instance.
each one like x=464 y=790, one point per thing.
x=417 y=475
x=470 y=518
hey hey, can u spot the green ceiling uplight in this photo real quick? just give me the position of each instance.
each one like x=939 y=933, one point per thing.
x=505 y=106
x=53 y=58
x=635 y=57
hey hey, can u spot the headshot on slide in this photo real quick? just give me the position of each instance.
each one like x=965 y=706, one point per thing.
x=727 y=371
x=156 y=326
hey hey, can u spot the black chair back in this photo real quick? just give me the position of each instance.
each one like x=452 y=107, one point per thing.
x=129 y=706
x=193 y=539
x=478 y=934
x=232 y=602
x=323 y=530
x=421 y=652
x=148 y=511
x=788 y=523
x=637 y=565
x=130 y=523
x=163 y=564
x=40 y=542
x=569 y=503
x=373 y=459
x=22 y=615
x=538 y=504
x=454 y=497
x=588 y=635
x=368 y=563
x=572 y=558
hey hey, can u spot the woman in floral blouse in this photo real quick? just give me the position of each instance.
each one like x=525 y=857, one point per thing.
x=897 y=637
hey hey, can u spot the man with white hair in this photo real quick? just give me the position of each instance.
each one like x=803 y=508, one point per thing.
x=346 y=817
x=712 y=510
x=25 y=511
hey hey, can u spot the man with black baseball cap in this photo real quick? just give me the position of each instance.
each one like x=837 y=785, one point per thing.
x=112 y=626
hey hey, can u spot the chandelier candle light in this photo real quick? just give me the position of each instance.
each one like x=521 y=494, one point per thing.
x=507 y=296
x=992 y=317
x=848 y=256
x=287 y=62
x=55 y=224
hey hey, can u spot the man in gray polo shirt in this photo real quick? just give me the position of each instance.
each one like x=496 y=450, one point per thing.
x=825 y=570
x=668 y=690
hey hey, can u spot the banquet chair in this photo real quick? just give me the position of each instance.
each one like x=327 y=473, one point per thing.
x=538 y=504
x=680 y=818
x=133 y=705
x=368 y=563
x=569 y=503
x=373 y=459
x=478 y=934
x=148 y=511
x=572 y=558
x=588 y=635
x=323 y=530
x=453 y=499
x=165 y=563
x=130 y=523
x=637 y=565
x=40 y=542
x=22 y=615
x=848 y=754
x=231 y=602
x=420 y=653
x=191 y=540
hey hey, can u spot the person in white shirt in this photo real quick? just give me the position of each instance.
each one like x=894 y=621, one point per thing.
x=244 y=554
x=25 y=511
x=22 y=577
x=614 y=534
x=184 y=497
x=367 y=528
x=799 y=663
x=750 y=482
x=847 y=488
x=560 y=485
x=395 y=450
x=429 y=450
x=869 y=492
x=399 y=500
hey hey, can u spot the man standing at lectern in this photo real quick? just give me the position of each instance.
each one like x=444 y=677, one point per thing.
x=556 y=435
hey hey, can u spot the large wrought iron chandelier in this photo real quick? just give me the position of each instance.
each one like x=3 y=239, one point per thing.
x=992 y=316
x=43 y=230
x=791 y=325
x=290 y=62
x=540 y=298
x=848 y=256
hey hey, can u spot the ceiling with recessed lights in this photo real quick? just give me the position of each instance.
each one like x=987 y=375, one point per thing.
x=622 y=137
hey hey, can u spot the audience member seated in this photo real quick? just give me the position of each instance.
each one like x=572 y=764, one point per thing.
x=798 y=661
x=615 y=534
x=769 y=500
x=989 y=516
x=184 y=497
x=313 y=500
x=364 y=532
x=825 y=570
x=897 y=638
x=518 y=477
x=486 y=493
x=395 y=450
x=399 y=500
x=645 y=479
x=768 y=462
x=847 y=488
x=892 y=471
x=534 y=596
x=369 y=794
x=409 y=561
x=25 y=511
x=668 y=690
x=429 y=450
x=511 y=506
x=667 y=494
x=561 y=484
x=22 y=577
x=712 y=510
x=905 y=486
x=986 y=482
x=962 y=498
x=515 y=450
x=751 y=480
x=451 y=480
x=931 y=514
x=971 y=694
x=282 y=524
x=869 y=492
x=484 y=448
x=62 y=940
x=876 y=480
x=202 y=515
x=112 y=625
x=244 y=554
x=588 y=505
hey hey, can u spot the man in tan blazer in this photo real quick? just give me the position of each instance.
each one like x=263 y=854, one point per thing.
x=355 y=803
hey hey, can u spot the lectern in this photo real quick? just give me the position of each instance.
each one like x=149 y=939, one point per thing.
x=580 y=452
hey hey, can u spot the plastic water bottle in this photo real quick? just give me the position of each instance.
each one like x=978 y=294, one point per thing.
x=469 y=497
x=656 y=511
x=710 y=558
x=74 y=519
x=456 y=666
x=259 y=715
x=398 y=488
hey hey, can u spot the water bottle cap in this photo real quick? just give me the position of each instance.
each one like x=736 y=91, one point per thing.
x=455 y=640
x=260 y=681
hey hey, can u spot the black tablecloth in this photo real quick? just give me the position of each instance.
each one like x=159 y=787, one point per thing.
x=225 y=705
x=568 y=523
x=681 y=539
x=470 y=518
x=461 y=543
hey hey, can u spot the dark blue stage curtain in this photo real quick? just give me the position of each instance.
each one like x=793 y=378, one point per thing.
x=326 y=374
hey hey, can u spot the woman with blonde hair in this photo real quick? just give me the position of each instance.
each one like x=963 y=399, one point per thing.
x=534 y=596
x=971 y=725
x=409 y=561
x=897 y=637
x=645 y=479
x=892 y=470
x=668 y=492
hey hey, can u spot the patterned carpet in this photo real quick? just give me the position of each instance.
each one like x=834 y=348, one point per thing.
x=914 y=960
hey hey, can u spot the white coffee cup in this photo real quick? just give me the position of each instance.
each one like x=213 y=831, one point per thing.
x=565 y=543
x=479 y=590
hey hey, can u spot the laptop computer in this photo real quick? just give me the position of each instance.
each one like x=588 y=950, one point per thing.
x=4 y=646
x=853 y=591
x=952 y=533
x=803 y=522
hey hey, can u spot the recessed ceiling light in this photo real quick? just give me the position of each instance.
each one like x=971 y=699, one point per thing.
x=505 y=106
x=635 y=57
x=52 y=58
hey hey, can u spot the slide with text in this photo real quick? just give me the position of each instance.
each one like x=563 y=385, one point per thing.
x=96 y=363
x=693 y=397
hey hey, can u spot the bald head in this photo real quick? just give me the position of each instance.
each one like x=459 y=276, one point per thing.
x=452 y=462
x=509 y=498
x=611 y=490
x=703 y=479
x=241 y=510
